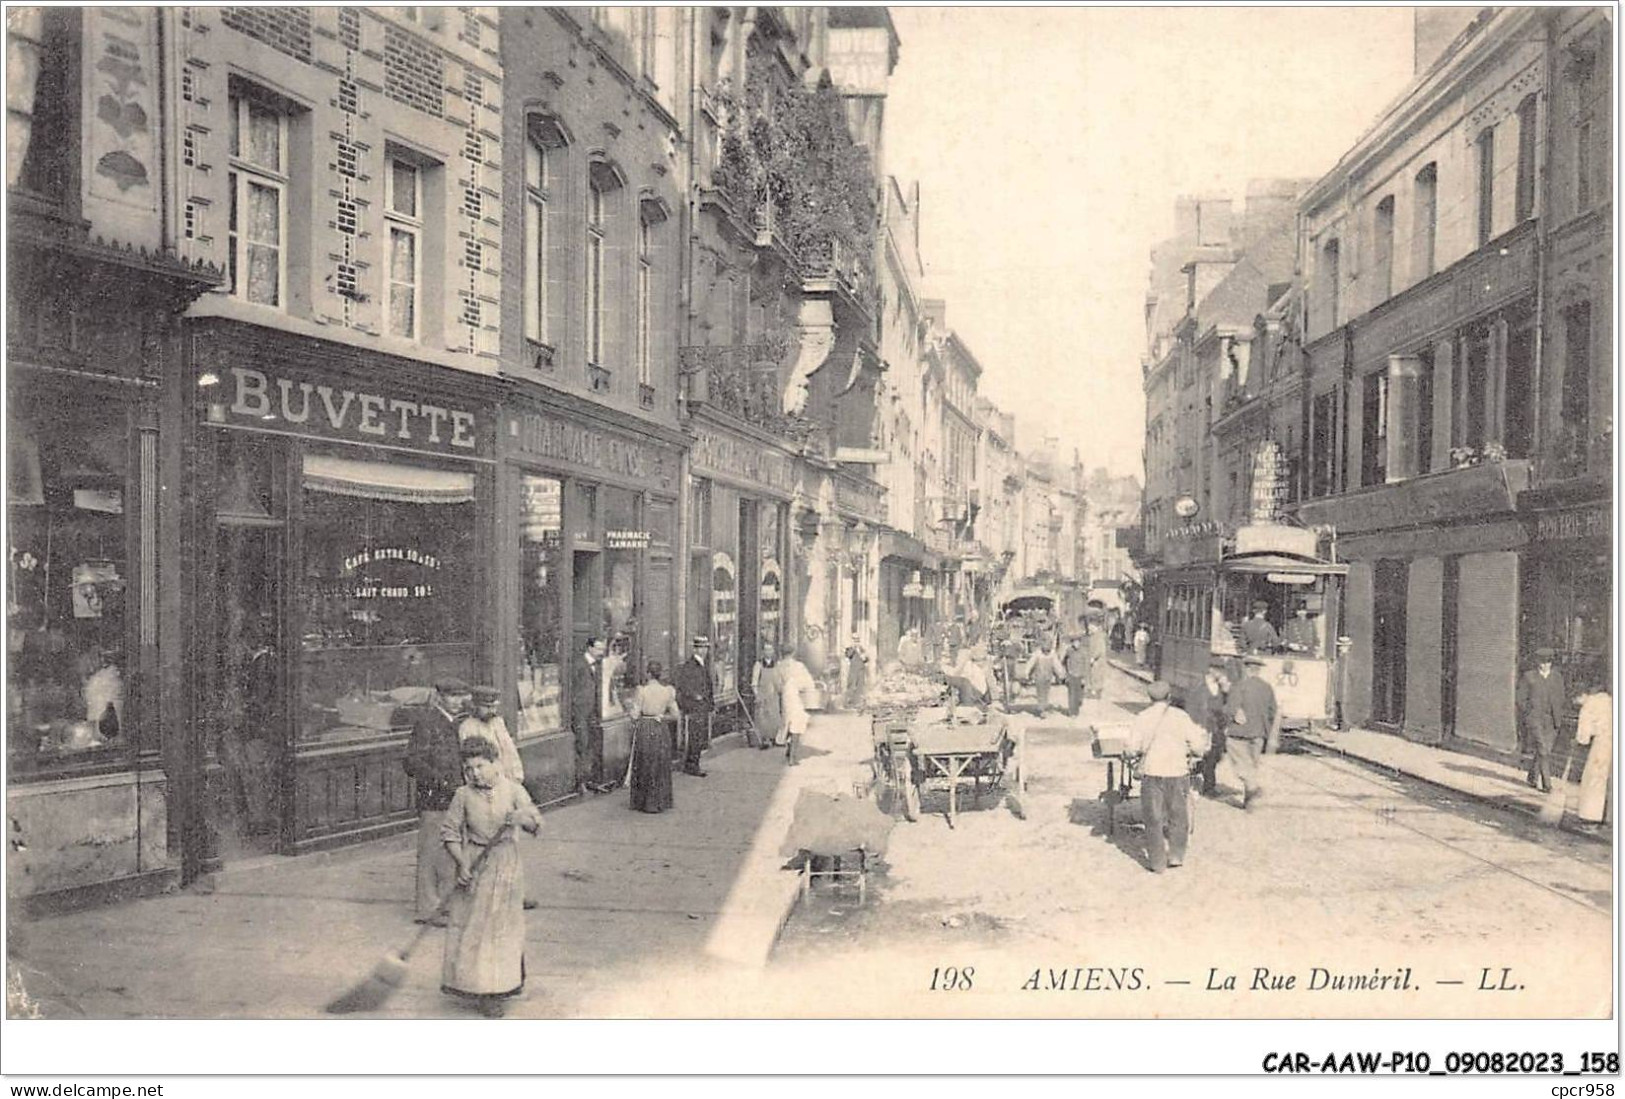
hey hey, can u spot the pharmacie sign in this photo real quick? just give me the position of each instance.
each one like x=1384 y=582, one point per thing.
x=288 y=404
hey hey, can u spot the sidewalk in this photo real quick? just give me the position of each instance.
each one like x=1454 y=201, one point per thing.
x=1484 y=780
x=631 y=908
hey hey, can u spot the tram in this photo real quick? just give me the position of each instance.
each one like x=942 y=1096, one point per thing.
x=1270 y=572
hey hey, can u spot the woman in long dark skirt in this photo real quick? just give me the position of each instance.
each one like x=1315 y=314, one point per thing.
x=652 y=743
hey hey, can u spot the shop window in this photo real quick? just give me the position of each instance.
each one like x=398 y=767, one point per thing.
x=68 y=640
x=699 y=511
x=1425 y=231
x=542 y=648
x=623 y=558
x=257 y=230
x=403 y=215
x=41 y=104
x=386 y=592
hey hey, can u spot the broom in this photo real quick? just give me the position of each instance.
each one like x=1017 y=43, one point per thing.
x=390 y=972
x=1551 y=810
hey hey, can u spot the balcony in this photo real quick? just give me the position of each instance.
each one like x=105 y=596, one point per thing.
x=743 y=382
x=1473 y=491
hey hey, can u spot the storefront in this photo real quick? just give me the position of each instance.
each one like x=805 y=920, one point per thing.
x=588 y=530
x=94 y=730
x=905 y=567
x=742 y=586
x=1567 y=577
x=340 y=545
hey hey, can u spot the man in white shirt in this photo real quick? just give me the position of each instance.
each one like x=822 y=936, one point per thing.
x=1165 y=739
x=794 y=680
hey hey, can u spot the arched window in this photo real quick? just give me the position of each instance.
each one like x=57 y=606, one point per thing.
x=545 y=151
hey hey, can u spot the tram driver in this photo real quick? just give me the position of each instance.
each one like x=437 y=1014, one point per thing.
x=1257 y=634
x=1301 y=634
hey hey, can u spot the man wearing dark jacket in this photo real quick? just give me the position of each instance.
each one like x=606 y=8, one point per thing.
x=1206 y=707
x=587 y=716
x=434 y=762
x=1252 y=727
x=696 y=700
x=1542 y=704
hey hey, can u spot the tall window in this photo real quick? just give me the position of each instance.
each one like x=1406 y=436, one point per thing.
x=1524 y=197
x=1577 y=369
x=1323 y=443
x=1486 y=185
x=1583 y=155
x=602 y=186
x=544 y=156
x=645 y=298
x=403 y=215
x=1330 y=277
x=1425 y=232
x=1424 y=410
x=1374 y=430
x=258 y=181
x=1383 y=250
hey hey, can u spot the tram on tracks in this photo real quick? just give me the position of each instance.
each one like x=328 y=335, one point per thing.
x=1270 y=575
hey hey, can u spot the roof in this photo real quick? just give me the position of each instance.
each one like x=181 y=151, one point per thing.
x=1242 y=294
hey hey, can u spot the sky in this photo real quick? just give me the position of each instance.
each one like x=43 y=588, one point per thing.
x=1050 y=145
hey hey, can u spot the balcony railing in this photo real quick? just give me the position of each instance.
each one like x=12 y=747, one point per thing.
x=743 y=381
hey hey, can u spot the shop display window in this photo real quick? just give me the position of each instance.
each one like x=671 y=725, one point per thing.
x=67 y=641
x=624 y=539
x=386 y=592
x=541 y=638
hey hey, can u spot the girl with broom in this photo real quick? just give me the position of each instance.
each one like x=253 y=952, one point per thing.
x=485 y=937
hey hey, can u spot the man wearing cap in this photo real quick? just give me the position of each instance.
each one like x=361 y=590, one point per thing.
x=1257 y=634
x=1252 y=726
x=1542 y=702
x=587 y=716
x=435 y=764
x=485 y=722
x=1165 y=738
x=1300 y=634
x=697 y=700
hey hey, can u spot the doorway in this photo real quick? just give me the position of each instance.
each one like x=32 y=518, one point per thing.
x=250 y=730
x=1388 y=643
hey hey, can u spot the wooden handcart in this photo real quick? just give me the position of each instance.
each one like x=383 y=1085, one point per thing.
x=913 y=750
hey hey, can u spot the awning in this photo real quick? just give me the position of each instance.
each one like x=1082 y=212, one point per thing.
x=1281 y=562
x=401 y=484
x=905 y=547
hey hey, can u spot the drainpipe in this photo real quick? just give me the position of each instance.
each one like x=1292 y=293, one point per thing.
x=1542 y=219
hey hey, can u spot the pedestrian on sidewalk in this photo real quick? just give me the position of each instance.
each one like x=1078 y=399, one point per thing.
x=656 y=704
x=1252 y=727
x=435 y=765
x=1165 y=739
x=1142 y=643
x=1596 y=728
x=793 y=688
x=484 y=722
x=1541 y=702
x=697 y=701
x=1206 y=707
x=485 y=941
x=587 y=716
x=765 y=682
x=857 y=674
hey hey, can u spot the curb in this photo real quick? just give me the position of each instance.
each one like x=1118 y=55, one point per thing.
x=1507 y=802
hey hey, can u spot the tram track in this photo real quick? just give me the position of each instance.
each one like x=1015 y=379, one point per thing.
x=1397 y=787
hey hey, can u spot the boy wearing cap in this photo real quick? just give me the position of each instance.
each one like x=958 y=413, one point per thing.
x=434 y=762
x=1165 y=738
x=486 y=723
x=1542 y=702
